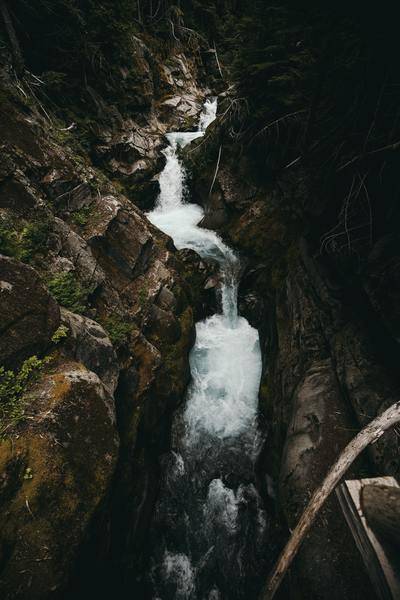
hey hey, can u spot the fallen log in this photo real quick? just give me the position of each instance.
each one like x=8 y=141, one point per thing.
x=370 y=434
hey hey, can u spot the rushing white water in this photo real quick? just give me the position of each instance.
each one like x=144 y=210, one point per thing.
x=179 y=569
x=209 y=534
x=226 y=361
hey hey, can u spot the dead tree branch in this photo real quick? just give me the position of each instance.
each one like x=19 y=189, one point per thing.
x=216 y=171
x=368 y=435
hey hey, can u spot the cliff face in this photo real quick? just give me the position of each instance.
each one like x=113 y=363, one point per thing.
x=329 y=352
x=97 y=314
x=299 y=175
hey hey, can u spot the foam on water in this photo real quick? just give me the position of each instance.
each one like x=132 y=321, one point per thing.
x=209 y=113
x=225 y=368
x=222 y=506
x=178 y=569
x=226 y=360
x=210 y=523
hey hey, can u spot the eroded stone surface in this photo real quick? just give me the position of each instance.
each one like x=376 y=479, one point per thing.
x=54 y=474
x=28 y=314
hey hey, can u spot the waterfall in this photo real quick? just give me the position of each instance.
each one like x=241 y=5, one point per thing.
x=208 y=539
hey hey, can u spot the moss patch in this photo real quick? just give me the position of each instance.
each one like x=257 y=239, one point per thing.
x=69 y=292
x=118 y=328
x=13 y=388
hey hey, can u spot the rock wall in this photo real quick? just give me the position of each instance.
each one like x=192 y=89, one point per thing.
x=105 y=303
x=329 y=356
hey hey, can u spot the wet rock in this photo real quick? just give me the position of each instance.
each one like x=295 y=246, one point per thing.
x=252 y=307
x=236 y=192
x=134 y=154
x=164 y=325
x=183 y=104
x=172 y=102
x=216 y=213
x=166 y=299
x=54 y=475
x=316 y=426
x=145 y=194
x=212 y=282
x=311 y=419
x=28 y=314
x=202 y=279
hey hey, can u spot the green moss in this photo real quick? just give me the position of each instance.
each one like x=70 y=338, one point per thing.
x=9 y=242
x=60 y=334
x=34 y=239
x=24 y=244
x=13 y=387
x=69 y=292
x=142 y=296
x=82 y=215
x=117 y=328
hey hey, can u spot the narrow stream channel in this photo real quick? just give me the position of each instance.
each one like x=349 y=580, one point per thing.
x=210 y=530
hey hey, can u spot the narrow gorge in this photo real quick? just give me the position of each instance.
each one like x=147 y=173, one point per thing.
x=218 y=545
x=199 y=297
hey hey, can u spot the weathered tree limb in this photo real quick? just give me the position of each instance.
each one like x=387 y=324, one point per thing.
x=369 y=435
x=15 y=47
x=216 y=171
x=381 y=507
x=389 y=148
x=218 y=63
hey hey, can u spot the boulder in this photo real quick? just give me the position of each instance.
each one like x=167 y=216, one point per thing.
x=28 y=314
x=120 y=240
x=163 y=325
x=54 y=475
x=71 y=246
x=88 y=343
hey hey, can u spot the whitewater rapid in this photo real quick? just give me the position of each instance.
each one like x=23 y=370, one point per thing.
x=226 y=360
x=210 y=522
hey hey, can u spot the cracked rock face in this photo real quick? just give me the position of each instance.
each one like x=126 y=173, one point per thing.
x=89 y=344
x=28 y=314
x=97 y=418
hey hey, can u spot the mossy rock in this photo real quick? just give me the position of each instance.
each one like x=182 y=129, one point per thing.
x=55 y=473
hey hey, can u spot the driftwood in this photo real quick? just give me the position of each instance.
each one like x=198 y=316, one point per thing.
x=370 y=434
x=381 y=506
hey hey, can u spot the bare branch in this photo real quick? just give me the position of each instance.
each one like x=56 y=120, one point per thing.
x=216 y=171
x=368 y=435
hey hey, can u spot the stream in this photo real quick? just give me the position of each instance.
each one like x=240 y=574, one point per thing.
x=210 y=531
